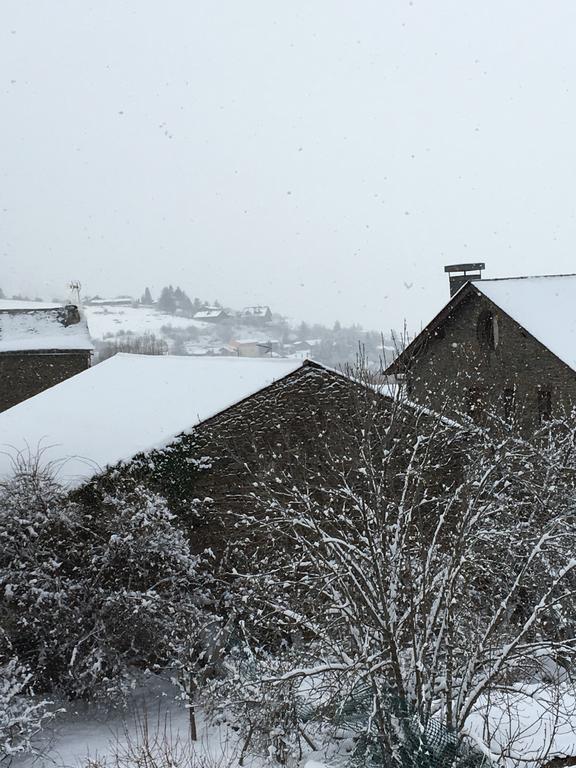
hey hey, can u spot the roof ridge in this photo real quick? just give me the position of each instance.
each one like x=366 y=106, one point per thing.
x=522 y=277
x=274 y=360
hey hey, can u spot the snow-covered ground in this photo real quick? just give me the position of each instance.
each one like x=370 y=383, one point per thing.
x=526 y=725
x=103 y=321
x=523 y=728
x=155 y=718
x=154 y=714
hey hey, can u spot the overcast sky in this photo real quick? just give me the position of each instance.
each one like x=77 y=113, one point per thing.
x=326 y=157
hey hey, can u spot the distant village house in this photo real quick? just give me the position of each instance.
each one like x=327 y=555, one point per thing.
x=258 y=315
x=119 y=301
x=211 y=315
x=251 y=348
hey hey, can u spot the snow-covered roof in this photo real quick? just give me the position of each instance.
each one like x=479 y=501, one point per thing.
x=206 y=313
x=33 y=329
x=26 y=304
x=118 y=300
x=125 y=405
x=260 y=311
x=544 y=306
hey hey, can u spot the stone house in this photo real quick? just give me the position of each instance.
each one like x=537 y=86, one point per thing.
x=40 y=346
x=504 y=347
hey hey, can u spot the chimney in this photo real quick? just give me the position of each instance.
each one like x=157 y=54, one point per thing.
x=462 y=273
x=69 y=315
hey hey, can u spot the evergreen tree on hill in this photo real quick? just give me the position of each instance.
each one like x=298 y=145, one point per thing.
x=183 y=303
x=147 y=298
x=167 y=300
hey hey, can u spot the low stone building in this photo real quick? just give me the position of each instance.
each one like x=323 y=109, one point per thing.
x=500 y=347
x=40 y=346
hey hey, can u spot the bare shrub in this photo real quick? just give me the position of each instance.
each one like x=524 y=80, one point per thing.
x=154 y=742
x=146 y=344
x=415 y=571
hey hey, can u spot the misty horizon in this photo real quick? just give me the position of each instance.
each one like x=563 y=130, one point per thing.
x=324 y=159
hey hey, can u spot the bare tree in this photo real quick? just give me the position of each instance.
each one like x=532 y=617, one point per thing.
x=146 y=344
x=416 y=574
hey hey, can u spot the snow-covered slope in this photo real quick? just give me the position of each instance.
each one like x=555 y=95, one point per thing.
x=103 y=321
x=127 y=404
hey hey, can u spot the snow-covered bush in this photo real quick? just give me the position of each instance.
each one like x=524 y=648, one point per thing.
x=89 y=591
x=20 y=716
x=268 y=717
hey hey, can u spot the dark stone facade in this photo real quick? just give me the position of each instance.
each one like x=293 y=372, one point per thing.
x=25 y=374
x=476 y=360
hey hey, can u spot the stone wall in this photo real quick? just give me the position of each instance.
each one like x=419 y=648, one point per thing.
x=458 y=371
x=23 y=375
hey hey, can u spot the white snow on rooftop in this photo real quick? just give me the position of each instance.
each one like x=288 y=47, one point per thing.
x=125 y=405
x=209 y=313
x=544 y=306
x=33 y=329
x=26 y=304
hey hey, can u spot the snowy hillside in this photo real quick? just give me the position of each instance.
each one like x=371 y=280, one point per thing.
x=144 y=329
x=175 y=333
x=108 y=321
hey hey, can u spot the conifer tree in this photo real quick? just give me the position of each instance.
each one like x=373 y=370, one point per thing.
x=167 y=300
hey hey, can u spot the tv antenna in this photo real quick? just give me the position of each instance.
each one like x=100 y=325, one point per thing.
x=75 y=287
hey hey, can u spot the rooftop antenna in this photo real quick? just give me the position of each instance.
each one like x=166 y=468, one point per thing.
x=75 y=287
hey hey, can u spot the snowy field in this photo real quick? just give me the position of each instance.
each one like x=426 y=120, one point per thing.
x=138 y=320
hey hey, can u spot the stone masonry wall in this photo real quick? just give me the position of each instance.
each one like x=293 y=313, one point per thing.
x=23 y=375
x=457 y=368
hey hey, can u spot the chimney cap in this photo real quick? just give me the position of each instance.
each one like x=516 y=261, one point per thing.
x=478 y=267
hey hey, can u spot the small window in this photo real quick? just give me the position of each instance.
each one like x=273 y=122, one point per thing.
x=509 y=400
x=488 y=331
x=544 y=404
